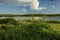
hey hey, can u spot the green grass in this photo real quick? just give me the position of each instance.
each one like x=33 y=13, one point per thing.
x=55 y=26
x=29 y=30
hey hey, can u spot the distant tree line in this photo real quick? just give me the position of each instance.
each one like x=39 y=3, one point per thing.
x=12 y=15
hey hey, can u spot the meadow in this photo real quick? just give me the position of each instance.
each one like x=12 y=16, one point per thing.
x=29 y=30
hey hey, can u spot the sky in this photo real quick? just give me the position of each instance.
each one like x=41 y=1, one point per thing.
x=29 y=7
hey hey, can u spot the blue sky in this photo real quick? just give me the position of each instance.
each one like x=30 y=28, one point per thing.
x=25 y=6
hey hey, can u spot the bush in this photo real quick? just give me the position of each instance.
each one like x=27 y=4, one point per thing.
x=53 y=21
x=7 y=20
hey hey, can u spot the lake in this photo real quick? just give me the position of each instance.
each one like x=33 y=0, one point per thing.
x=36 y=18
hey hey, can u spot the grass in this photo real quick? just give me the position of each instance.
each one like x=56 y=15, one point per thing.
x=55 y=26
x=32 y=30
x=29 y=30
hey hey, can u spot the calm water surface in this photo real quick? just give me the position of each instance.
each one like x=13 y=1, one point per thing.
x=36 y=18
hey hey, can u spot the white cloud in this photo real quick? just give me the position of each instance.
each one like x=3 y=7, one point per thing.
x=24 y=10
x=53 y=6
x=34 y=4
x=59 y=2
x=42 y=8
x=25 y=0
x=16 y=2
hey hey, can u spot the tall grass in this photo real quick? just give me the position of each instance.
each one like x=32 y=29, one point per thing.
x=29 y=30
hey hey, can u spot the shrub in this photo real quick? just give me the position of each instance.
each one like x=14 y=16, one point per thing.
x=53 y=21
x=7 y=20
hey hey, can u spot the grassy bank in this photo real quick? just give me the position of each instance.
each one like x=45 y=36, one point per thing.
x=28 y=30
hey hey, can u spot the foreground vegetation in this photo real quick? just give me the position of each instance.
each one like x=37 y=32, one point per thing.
x=27 y=30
